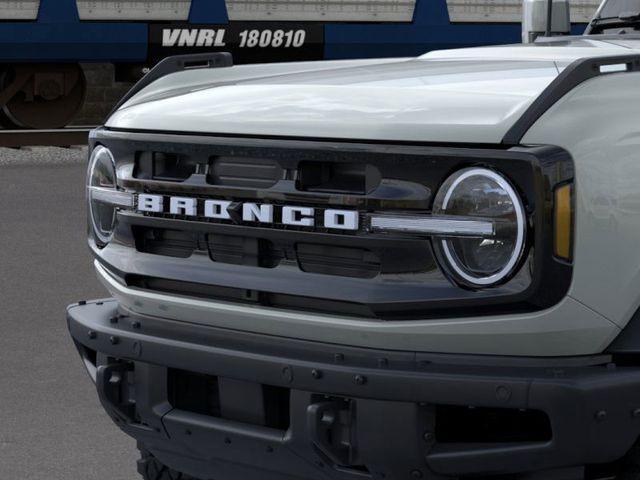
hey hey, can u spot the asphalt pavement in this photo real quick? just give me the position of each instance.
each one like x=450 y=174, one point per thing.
x=52 y=426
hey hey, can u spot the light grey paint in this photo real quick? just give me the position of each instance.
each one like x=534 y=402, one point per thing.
x=197 y=79
x=599 y=123
x=466 y=95
x=413 y=100
x=569 y=328
x=576 y=48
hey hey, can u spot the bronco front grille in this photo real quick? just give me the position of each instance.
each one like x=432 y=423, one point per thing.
x=347 y=261
x=357 y=272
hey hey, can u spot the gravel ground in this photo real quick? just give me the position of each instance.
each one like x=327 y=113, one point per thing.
x=42 y=156
x=52 y=426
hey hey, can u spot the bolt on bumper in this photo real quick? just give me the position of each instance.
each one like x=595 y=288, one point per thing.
x=383 y=405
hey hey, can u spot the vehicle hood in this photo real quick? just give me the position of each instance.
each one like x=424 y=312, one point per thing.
x=467 y=95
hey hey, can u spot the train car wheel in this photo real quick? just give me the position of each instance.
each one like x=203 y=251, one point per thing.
x=42 y=96
x=5 y=79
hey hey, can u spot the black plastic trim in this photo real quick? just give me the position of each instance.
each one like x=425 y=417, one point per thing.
x=175 y=64
x=573 y=75
x=628 y=341
x=589 y=401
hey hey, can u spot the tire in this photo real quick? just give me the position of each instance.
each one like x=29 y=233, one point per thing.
x=151 y=469
x=630 y=466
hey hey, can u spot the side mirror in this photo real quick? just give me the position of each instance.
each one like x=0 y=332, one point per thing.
x=545 y=18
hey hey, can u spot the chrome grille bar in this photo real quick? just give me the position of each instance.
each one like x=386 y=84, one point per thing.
x=111 y=196
x=431 y=225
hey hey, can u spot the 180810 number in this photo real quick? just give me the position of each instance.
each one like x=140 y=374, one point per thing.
x=272 y=38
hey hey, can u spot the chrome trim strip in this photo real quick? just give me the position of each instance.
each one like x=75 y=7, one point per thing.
x=441 y=226
x=112 y=197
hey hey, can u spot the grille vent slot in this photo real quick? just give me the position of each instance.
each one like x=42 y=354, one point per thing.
x=328 y=177
x=244 y=172
x=169 y=243
x=168 y=167
x=333 y=260
x=243 y=251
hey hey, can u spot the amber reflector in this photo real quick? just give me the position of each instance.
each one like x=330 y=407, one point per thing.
x=563 y=222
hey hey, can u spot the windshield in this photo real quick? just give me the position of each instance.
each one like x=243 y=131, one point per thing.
x=616 y=17
x=615 y=8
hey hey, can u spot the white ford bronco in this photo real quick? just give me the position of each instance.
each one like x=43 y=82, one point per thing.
x=392 y=269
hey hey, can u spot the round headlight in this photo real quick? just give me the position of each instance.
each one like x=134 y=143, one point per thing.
x=101 y=176
x=484 y=260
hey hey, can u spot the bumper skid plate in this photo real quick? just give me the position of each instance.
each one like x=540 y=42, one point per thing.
x=224 y=404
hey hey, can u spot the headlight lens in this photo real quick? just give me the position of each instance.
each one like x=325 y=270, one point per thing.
x=483 y=260
x=101 y=181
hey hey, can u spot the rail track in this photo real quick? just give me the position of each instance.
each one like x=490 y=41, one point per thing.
x=63 y=137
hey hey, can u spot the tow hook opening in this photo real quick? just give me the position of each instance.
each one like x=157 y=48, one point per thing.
x=332 y=427
x=114 y=382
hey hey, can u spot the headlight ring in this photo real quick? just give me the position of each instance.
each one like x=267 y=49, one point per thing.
x=483 y=261
x=101 y=184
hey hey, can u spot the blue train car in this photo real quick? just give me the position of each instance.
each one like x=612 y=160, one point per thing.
x=42 y=42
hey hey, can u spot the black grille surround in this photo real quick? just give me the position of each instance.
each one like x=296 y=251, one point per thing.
x=391 y=276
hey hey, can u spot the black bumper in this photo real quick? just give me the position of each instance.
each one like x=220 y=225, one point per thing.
x=351 y=412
